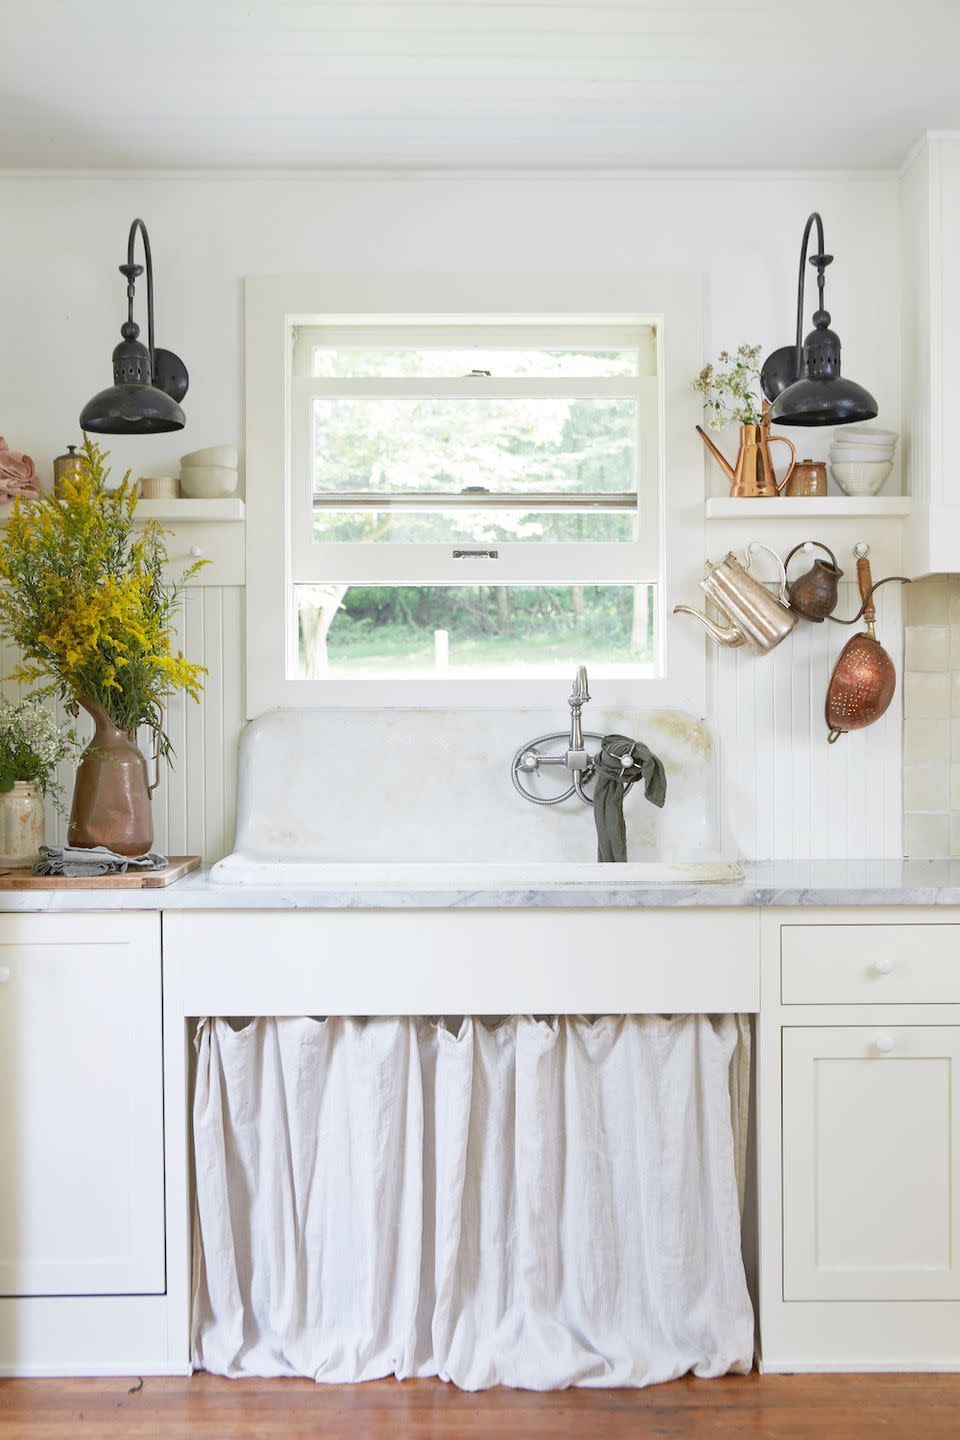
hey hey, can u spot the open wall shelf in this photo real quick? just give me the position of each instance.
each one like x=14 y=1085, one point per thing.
x=790 y=507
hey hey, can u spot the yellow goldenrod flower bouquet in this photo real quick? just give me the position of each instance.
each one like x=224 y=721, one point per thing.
x=84 y=600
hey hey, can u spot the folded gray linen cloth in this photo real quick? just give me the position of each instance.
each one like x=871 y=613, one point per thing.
x=97 y=860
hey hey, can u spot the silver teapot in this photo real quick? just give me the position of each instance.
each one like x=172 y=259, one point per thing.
x=755 y=616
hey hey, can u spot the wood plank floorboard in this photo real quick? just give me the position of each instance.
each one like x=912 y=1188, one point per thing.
x=774 y=1407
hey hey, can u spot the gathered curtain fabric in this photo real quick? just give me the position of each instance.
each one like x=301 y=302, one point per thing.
x=527 y=1202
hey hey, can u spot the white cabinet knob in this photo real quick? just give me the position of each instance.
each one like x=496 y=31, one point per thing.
x=884 y=1044
x=196 y=552
x=883 y=966
x=5 y=974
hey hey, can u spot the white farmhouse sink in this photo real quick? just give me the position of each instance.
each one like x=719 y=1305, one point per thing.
x=362 y=798
x=247 y=868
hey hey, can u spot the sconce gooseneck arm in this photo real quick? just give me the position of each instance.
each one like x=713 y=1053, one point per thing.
x=131 y=270
x=821 y=261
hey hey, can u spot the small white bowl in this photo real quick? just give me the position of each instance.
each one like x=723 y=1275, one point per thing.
x=860 y=477
x=857 y=454
x=159 y=487
x=865 y=435
x=208 y=482
x=221 y=455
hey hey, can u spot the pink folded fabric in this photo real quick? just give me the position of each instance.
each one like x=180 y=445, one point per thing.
x=18 y=474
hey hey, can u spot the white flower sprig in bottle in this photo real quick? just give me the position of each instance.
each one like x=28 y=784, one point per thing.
x=31 y=748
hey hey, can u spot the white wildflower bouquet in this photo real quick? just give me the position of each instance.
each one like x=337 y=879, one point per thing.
x=731 y=388
x=32 y=746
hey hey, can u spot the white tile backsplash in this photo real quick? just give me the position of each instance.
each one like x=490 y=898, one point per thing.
x=927 y=647
x=931 y=776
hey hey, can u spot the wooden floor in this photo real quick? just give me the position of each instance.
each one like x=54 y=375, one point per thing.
x=775 y=1407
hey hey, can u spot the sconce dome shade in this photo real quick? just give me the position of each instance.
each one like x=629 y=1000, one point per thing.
x=134 y=404
x=131 y=410
x=821 y=395
x=836 y=401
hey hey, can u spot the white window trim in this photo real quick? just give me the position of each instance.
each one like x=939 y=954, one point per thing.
x=275 y=305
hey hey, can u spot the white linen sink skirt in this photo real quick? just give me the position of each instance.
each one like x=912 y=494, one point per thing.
x=527 y=1202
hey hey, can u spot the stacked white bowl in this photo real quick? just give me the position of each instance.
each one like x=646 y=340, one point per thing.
x=861 y=458
x=209 y=474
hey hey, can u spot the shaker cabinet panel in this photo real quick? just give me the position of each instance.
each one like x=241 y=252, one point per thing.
x=871 y=1163
x=81 y=1119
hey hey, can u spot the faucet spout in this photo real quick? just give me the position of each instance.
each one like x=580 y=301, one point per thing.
x=576 y=755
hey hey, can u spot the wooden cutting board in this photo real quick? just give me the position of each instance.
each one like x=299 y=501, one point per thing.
x=177 y=867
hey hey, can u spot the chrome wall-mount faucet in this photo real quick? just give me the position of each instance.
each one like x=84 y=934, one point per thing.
x=577 y=759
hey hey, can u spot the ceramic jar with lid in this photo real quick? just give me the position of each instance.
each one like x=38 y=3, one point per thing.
x=808 y=477
x=66 y=467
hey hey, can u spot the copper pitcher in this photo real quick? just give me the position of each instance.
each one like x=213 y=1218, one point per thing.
x=753 y=475
x=111 y=796
x=814 y=594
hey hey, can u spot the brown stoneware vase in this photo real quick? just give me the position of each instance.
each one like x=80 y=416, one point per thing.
x=111 y=796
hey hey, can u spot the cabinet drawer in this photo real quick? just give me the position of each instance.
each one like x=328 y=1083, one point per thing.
x=221 y=546
x=870 y=964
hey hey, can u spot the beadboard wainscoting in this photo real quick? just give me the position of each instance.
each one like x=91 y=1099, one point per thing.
x=786 y=792
x=194 y=804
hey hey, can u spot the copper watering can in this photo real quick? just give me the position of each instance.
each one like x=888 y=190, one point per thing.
x=753 y=475
x=754 y=616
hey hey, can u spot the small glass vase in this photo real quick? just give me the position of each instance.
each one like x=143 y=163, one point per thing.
x=21 y=824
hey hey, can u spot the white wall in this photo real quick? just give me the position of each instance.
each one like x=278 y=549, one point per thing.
x=61 y=303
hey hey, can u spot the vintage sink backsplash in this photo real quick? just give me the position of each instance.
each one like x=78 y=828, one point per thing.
x=435 y=786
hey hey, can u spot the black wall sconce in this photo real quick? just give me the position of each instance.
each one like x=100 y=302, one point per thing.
x=803 y=381
x=148 y=383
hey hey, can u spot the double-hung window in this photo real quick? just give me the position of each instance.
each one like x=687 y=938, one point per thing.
x=472 y=499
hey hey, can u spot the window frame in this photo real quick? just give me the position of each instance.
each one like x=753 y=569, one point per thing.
x=278 y=307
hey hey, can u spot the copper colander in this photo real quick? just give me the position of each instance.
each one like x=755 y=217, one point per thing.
x=864 y=679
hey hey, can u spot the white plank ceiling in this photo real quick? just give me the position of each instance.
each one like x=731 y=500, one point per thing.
x=303 y=83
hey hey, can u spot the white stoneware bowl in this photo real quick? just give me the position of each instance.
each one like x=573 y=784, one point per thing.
x=222 y=455
x=208 y=482
x=858 y=453
x=159 y=487
x=864 y=435
x=860 y=477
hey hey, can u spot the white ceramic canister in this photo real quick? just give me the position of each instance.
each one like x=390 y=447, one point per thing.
x=159 y=487
x=21 y=824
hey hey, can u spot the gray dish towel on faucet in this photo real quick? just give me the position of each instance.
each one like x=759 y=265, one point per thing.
x=614 y=780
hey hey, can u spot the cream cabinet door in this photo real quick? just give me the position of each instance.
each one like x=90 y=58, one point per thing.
x=871 y=1163
x=81 y=1105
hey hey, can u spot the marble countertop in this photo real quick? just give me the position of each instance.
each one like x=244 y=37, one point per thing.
x=774 y=882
